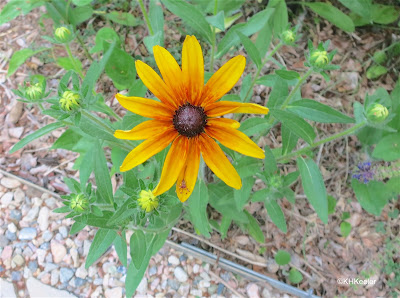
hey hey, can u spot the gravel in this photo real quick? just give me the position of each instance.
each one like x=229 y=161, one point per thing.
x=27 y=234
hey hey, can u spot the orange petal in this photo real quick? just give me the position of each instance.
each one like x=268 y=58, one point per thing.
x=144 y=130
x=171 y=72
x=147 y=149
x=188 y=176
x=224 y=107
x=155 y=84
x=223 y=80
x=235 y=140
x=193 y=68
x=173 y=165
x=216 y=160
x=145 y=107
x=218 y=122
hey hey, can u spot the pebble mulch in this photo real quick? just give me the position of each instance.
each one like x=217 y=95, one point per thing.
x=38 y=258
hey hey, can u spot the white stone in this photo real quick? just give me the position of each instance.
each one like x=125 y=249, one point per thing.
x=19 y=196
x=12 y=228
x=7 y=289
x=173 y=260
x=113 y=293
x=16 y=132
x=32 y=214
x=9 y=182
x=204 y=284
x=6 y=199
x=43 y=219
x=36 y=290
x=180 y=274
x=81 y=272
x=196 y=268
x=58 y=251
x=142 y=287
x=74 y=255
x=252 y=290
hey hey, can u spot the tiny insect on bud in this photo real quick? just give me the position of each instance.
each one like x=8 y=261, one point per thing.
x=288 y=36
x=70 y=101
x=79 y=203
x=34 y=92
x=62 y=34
x=377 y=113
x=147 y=200
x=319 y=58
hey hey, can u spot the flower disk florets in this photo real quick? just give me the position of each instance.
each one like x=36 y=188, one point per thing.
x=79 y=203
x=62 y=34
x=190 y=120
x=288 y=36
x=34 y=92
x=319 y=58
x=70 y=101
x=377 y=113
x=147 y=200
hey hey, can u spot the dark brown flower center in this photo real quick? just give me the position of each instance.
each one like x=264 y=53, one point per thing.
x=190 y=120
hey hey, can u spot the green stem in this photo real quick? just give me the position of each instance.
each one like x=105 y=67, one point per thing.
x=270 y=55
x=85 y=49
x=72 y=59
x=146 y=17
x=320 y=142
x=213 y=41
x=97 y=121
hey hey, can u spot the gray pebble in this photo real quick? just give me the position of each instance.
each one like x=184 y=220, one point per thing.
x=11 y=236
x=16 y=276
x=152 y=271
x=98 y=281
x=55 y=274
x=225 y=276
x=47 y=235
x=45 y=245
x=33 y=266
x=220 y=289
x=16 y=214
x=27 y=234
x=174 y=284
x=183 y=258
x=180 y=274
x=63 y=231
x=59 y=237
x=66 y=274
x=79 y=282
x=27 y=252
x=3 y=241
x=50 y=267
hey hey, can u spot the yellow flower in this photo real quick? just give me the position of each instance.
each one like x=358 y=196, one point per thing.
x=319 y=58
x=147 y=200
x=186 y=116
x=70 y=101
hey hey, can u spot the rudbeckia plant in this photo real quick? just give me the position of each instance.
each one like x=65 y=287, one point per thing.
x=169 y=130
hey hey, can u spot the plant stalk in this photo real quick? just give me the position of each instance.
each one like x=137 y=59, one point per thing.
x=72 y=59
x=213 y=41
x=146 y=17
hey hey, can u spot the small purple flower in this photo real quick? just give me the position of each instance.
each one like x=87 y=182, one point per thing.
x=364 y=172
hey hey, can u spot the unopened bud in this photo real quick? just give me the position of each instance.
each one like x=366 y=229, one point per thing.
x=79 y=203
x=319 y=58
x=376 y=71
x=147 y=200
x=288 y=36
x=62 y=34
x=377 y=113
x=34 y=92
x=70 y=101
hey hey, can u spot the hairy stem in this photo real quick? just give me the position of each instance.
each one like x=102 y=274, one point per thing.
x=72 y=59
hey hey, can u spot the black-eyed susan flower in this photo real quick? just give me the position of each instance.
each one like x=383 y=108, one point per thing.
x=187 y=116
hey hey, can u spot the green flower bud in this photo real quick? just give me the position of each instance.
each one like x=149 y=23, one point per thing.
x=34 y=92
x=79 y=203
x=62 y=34
x=319 y=58
x=70 y=101
x=147 y=200
x=377 y=113
x=376 y=71
x=380 y=57
x=275 y=182
x=288 y=36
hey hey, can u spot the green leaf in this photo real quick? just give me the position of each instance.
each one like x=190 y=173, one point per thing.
x=314 y=188
x=316 y=111
x=295 y=124
x=153 y=40
x=122 y=213
x=93 y=129
x=247 y=166
x=121 y=69
x=64 y=209
x=278 y=94
x=87 y=165
x=103 y=239
x=282 y=257
x=241 y=196
x=251 y=49
x=331 y=204
x=197 y=204
x=191 y=16
x=105 y=34
x=103 y=180
x=289 y=140
x=345 y=228
x=138 y=248
x=280 y=17
x=37 y=134
x=67 y=64
x=121 y=248
x=275 y=213
x=254 y=228
x=270 y=167
x=255 y=126
x=360 y=7
x=384 y=14
x=295 y=276
x=254 y=24
x=287 y=74
x=79 y=15
x=19 y=58
x=332 y=14
x=372 y=196
x=81 y=2
x=156 y=17
x=122 y=18
x=224 y=226
x=15 y=7
x=76 y=227
x=218 y=21
x=388 y=148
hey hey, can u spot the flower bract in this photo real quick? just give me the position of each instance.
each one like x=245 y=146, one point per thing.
x=188 y=115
